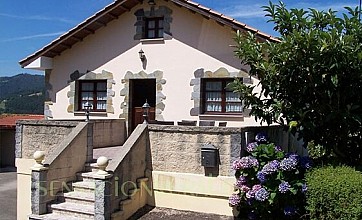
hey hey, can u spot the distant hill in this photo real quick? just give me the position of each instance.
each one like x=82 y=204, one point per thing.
x=22 y=94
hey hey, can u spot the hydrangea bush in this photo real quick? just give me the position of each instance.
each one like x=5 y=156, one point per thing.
x=269 y=182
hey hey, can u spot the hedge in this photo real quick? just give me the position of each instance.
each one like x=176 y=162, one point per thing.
x=334 y=193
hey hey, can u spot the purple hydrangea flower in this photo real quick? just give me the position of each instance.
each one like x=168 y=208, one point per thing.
x=245 y=188
x=284 y=187
x=271 y=167
x=240 y=182
x=261 y=137
x=234 y=200
x=256 y=187
x=277 y=148
x=289 y=211
x=288 y=164
x=304 y=188
x=251 y=147
x=261 y=194
x=245 y=162
x=250 y=194
x=293 y=156
x=261 y=176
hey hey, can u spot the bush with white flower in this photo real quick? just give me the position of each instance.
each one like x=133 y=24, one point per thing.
x=269 y=182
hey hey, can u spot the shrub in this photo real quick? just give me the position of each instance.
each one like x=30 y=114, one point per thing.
x=311 y=80
x=269 y=182
x=334 y=193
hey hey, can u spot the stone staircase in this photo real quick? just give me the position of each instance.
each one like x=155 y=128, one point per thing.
x=74 y=205
x=79 y=203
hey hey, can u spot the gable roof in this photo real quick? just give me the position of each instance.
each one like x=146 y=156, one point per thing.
x=117 y=8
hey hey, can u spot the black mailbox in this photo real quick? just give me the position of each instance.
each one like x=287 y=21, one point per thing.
x=209 y=156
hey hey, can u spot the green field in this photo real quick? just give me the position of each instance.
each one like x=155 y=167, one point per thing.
x=2 y=105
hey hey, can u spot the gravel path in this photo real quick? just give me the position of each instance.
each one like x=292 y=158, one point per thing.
x=155 y=213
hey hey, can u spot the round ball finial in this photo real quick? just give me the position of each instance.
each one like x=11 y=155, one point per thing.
x=102 y=163
x=39 y=157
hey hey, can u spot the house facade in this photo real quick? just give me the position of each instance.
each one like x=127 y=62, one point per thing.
x=177 y=55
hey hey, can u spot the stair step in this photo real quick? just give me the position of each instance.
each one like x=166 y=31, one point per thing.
x=118 y=215
x=73 y=210
x=126 y=202
x=80 y=197
x=52 y=216
x=84 y=186
x=86 y=177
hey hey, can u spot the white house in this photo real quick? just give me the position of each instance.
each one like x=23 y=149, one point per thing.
x=175 y=54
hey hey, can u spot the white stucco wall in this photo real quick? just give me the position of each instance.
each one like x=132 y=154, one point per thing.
x=196 y=43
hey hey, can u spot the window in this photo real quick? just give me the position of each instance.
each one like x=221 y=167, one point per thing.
x=218 y=99
x=154 y=27
x=93 y=92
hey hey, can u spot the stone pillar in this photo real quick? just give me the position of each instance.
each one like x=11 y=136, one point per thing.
x=103 y=197
x=39 y=189
x=102 y=206
x=18 y=140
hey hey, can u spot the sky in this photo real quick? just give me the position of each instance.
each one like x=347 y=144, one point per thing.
x=28 y=25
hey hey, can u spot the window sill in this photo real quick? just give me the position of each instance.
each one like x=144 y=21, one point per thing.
x=82 y=113
x=153 y=41
x=221 y=117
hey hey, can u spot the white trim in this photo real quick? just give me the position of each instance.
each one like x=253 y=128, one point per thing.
x=41 y=63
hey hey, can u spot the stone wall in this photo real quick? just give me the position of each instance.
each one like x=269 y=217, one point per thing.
x=40 y=135
x=110 y=132
x=178 y=148
x=45 y=135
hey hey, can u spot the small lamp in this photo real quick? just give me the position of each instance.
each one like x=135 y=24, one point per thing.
x=151 y=2
x=142 y=55
x=87 y=106
x=146 y=107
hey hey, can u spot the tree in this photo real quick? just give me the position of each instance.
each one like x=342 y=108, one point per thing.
x=311 y=80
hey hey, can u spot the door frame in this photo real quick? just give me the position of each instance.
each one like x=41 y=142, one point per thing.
x=141 y=90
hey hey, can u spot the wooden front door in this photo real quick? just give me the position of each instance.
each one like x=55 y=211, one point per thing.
x=140 y=91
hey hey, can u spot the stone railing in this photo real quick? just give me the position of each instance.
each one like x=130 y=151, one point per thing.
x=52 y=175
x=125 y=170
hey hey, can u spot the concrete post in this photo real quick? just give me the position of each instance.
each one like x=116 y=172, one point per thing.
x=39 y=188
x=102 y=208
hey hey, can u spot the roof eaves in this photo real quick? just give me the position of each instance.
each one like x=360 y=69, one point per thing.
x=191 y=5
x=71 y=32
